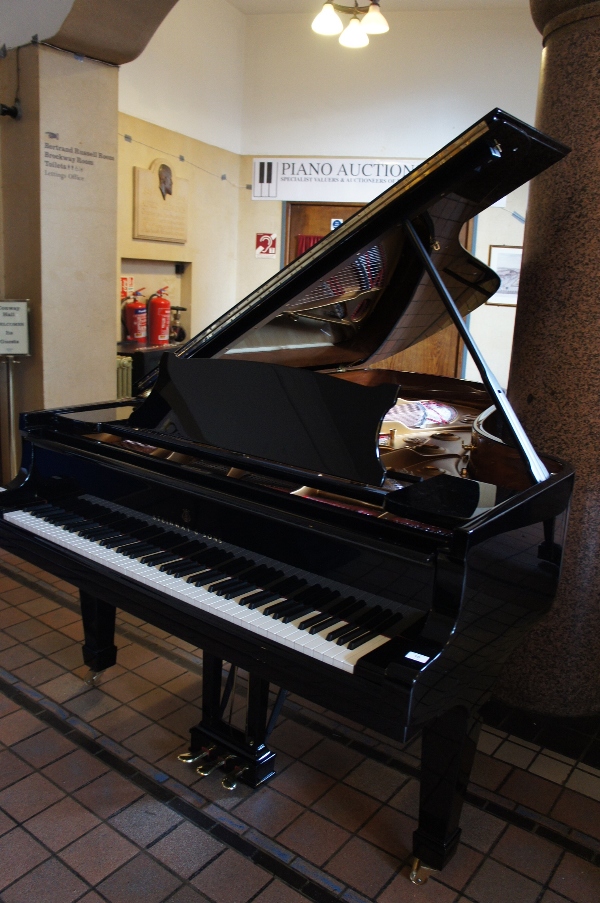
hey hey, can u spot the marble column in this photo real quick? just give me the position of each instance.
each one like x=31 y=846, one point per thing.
x=555 y=373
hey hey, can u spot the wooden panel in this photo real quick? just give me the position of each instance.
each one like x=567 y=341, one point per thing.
x=441 y=354
x=438 y=355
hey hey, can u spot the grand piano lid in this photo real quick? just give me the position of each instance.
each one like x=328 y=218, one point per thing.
x=363 y=294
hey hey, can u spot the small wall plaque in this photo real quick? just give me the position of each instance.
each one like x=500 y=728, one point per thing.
x=160 y=204
x=14 y=328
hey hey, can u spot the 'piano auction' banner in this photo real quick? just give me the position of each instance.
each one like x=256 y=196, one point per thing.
x=325 y=178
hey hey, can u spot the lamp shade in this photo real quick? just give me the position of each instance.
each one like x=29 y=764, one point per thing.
x=327 y=21
x=374 y=22
x=354 y=34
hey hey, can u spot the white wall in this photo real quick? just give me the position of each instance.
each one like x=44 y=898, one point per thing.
x=190 y=76
x=296 y=93
x=492 y=325
x=407 y=93
x=21 y=19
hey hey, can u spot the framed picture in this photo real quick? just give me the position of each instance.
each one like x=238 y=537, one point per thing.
x=505 y=260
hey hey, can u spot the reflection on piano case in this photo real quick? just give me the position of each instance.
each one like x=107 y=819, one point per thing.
x=378 y=542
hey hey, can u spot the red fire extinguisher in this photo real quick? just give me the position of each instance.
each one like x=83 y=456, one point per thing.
x=159 y=318
x=136 y=318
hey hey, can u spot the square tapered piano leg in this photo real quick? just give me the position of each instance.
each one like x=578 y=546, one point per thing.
x=99 y=650
x=448 y=750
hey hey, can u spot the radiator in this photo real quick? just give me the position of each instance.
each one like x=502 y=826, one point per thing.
x=124 y=384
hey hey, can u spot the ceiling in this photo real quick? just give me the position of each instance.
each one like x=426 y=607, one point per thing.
x=257 y=7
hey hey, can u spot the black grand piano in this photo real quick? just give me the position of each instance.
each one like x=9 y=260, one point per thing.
x=376 y=541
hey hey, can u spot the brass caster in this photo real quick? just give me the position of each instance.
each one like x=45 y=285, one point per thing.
x=93 y=678
x=189 y=758
x=229 y=782
x=419 y=873
x=209 y=767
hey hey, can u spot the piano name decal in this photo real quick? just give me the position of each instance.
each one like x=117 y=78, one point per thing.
x=325 y=179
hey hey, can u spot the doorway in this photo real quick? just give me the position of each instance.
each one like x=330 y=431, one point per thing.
x=305 y=224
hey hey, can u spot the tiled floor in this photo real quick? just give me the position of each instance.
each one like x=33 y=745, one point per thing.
x=95 y=806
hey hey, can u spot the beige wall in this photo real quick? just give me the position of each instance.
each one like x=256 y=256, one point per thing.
x=59 y=229
x=255 y=216
x=78 y=101
x=214 y=205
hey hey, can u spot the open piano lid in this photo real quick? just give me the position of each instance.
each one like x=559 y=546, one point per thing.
x=392 y=275
x=361 y=294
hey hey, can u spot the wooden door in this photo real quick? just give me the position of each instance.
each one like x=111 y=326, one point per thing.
x=312 y=221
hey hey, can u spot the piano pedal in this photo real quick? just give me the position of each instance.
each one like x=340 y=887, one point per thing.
x=419 y=873
x=205 y=770
x=188 y=758
x=92 y=679
x=230 y=781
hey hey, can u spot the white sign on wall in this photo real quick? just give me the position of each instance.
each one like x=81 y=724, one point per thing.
x=325 y=179
x=14 y=327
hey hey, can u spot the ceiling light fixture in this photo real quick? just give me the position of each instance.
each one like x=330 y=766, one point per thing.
x=365 y=20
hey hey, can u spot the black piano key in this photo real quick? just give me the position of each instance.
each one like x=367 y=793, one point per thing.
x=321 y=621
x=263 y=577
x=328 y=598
x=117 y=541
x=216 y=584
x=105 y=534
x=98 y=534
x=258 y=599
x=206 y=577
x=152 y=559
x=55 y=510
x=227 y=569
x=189 y=547
x=166 y=541
x=288 y=586
x=147 y=532
x=375 y=623
x=367 y=619
x=242 y=589
x=280 y=606
x=212 y=557
x=136 y=551
x=178 y=553
x=361 y=640
x=65 y=518
x=297 y=612
x=231 y=586
x=76 y=527
x=37 y=508
x=238 y=566
x=181 y=568
x=337 y=610
x=100 y=523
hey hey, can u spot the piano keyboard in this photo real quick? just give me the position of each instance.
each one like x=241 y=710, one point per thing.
x=263 y=596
